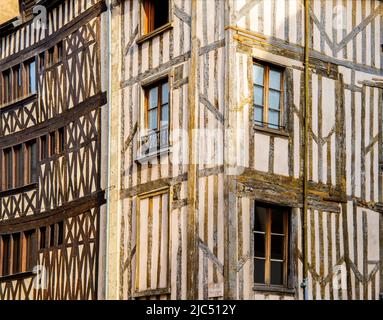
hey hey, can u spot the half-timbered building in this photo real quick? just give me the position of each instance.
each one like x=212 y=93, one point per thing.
x=51 y=131
x=246 y=158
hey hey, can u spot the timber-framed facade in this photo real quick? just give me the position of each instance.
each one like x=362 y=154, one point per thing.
x=52 y=183
x=261 y=199
x=192 y=149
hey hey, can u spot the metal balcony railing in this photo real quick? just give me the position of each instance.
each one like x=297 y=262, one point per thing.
x=155 y=141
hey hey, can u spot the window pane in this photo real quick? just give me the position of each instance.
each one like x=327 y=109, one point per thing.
x=52 y=238
x=274 y=119
x=32 y=77
x=260 y=219
x=43 y=235
x=258 y=74
x=164 y=115
x=161 y=13
x=165 y=93
x=16 y=253
x=60 y=226
x=274 y=100
x=276 y=273
x=152 y=119
x=9 y=169
x=259 y=271
x=258 y=95
x=275 y=80
x=19 y=166
x=277 y=247
x=52 y=138
x=32 y=162
x=153 y=98
x=259 y=245
x=258 y=114
x=6 y=254
x=277 y=224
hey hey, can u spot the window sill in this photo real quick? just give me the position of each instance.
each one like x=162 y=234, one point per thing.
x=154 y=154
x=155 y=33
x=20 y=100
x=273 y=132
x=17 y=276
x=18 y=190
x=276 y=289
x=154 y=292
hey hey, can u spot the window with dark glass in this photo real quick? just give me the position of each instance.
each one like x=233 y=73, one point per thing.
x=268 y=96
x=60 y=233
x=17 y=252
x=31 y=161
x=8 y=169
x=52 y=143
x=43 y=237
x=61 y=140
x=155 y=14
x=271 y=226
x=5 y=254
x=19 y=165
x=52 y=230
x=43 y=147
x=7 y=86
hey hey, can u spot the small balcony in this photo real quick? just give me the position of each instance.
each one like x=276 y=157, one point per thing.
x=155 y=142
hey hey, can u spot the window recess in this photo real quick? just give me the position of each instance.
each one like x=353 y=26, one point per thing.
x=271 y=243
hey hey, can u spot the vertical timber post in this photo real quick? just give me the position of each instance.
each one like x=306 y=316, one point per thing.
x=304 y=284
x=192 y=254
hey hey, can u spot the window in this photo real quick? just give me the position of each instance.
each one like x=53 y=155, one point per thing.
x=31 y=161
x=43 y=147
x=43 y=237
x=268 y=96
x=19 y=165
x=7 y=87
x=55 y=54
x=17 y=252
x=18 y=81
x=51 y=236
x=155 y=14
x=30 y=68
x=52 y=144
x=270 y=246
x=152 y=242
x=8 y=169
x=156 y=117
x=5 y=254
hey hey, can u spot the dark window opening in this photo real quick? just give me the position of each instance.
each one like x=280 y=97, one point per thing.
x=60 y=236
x=61 y=140
x=32 y=161
x=19 y=166
x=52 y=143
x=271 y=231
x=43 y=237
x=8 y=169
x=16 y=252
x=43 y=147
x=6 y=254
x=52 y=241
x=156 y=14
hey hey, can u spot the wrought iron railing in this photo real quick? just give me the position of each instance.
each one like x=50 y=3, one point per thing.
x=155 y=141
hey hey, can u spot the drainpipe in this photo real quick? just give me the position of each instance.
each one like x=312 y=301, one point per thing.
x=304 y=284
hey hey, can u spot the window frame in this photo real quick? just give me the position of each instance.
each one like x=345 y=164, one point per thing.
x=286 y=247
x=267 y=66
x=159 y=85
x=17 y=170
